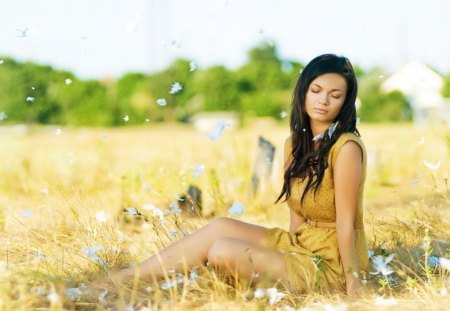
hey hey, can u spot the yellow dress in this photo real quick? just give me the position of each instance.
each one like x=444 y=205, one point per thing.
x=311 y=253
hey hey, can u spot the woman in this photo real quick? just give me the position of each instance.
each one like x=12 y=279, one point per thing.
x=325 y=163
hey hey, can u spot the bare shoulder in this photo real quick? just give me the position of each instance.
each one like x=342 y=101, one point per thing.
x=348 y=145
x=350 y=152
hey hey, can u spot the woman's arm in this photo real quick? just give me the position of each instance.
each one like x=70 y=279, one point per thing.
x=296 y=219
x=346 y=178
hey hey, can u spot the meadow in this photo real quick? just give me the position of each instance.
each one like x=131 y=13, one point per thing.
x=69 y=199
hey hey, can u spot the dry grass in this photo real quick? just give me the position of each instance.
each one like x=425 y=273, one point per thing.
x=52 y=186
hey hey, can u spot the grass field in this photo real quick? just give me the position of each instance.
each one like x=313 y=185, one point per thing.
x=63 y=191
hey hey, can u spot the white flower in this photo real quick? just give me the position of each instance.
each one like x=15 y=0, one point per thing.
x=91 y=252
x=102 y=297
x=178 y=198
x=260 y=293
x=126 y=118
x=193 y=275
x=432 y=166
x=380 y=264
x=101 y=216
x=26 y=213
x=30 y=99
x=148 y=207
x=318 y=137
x=236 y=209
x=68 y=81
x=445 y=263
x=53 y=297
x=158 y=213
x=74 y=293
x=274 y=295
x=175 y=88
x=58 y=131
x=175 y=208
x=132 y=211
x=22 y=32
x=198 y=169
x=332 y=128
x=173 y=233
x=217 y=131
x=192 y=66
x=283 y=114
x=161 y=101
x=169 y=284
x=1 y=61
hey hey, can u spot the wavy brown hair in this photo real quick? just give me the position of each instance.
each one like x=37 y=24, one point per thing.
x=307 y=162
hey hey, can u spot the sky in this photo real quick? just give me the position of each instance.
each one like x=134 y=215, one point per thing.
x=107 y=38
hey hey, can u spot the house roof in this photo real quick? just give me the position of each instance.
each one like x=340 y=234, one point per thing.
x=412 y=79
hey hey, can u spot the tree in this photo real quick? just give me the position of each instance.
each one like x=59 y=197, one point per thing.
x=446 y=87
x=219 y=89
x=380 y=107
x=160 y=86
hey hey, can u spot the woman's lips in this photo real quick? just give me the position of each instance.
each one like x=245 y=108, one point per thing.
x=321 y=111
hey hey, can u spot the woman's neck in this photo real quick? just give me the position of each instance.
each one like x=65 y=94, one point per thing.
x=318 y=127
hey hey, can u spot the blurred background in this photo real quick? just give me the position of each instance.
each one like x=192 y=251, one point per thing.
x=117 y=63
x=127 y=124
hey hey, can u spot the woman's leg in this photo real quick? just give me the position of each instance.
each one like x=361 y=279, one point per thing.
x=242 y=259
x=193 y=249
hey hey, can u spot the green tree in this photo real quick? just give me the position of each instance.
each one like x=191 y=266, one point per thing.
x=219 y=89
x=131 y=98
x=160 y=86
x=446 y=87
x=380 y=107
x=262 y=80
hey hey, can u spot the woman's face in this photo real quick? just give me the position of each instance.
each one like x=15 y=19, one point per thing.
x=325 y=97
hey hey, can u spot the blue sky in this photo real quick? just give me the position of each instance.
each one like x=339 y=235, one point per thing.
x=98 y=38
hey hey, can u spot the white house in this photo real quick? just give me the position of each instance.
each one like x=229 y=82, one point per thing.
x=422 y=87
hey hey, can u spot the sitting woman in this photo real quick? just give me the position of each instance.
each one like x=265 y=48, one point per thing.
x=325 y=167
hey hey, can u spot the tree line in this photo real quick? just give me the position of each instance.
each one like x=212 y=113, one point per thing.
x=33 y=93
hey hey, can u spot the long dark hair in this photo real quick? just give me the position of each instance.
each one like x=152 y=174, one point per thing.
x=307 y=162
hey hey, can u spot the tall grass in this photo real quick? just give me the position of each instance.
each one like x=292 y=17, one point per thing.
x=61 y=193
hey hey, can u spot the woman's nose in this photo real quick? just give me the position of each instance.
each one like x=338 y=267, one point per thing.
x=323 y=100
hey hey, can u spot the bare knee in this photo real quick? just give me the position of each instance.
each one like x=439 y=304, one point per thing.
x=219 y=253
